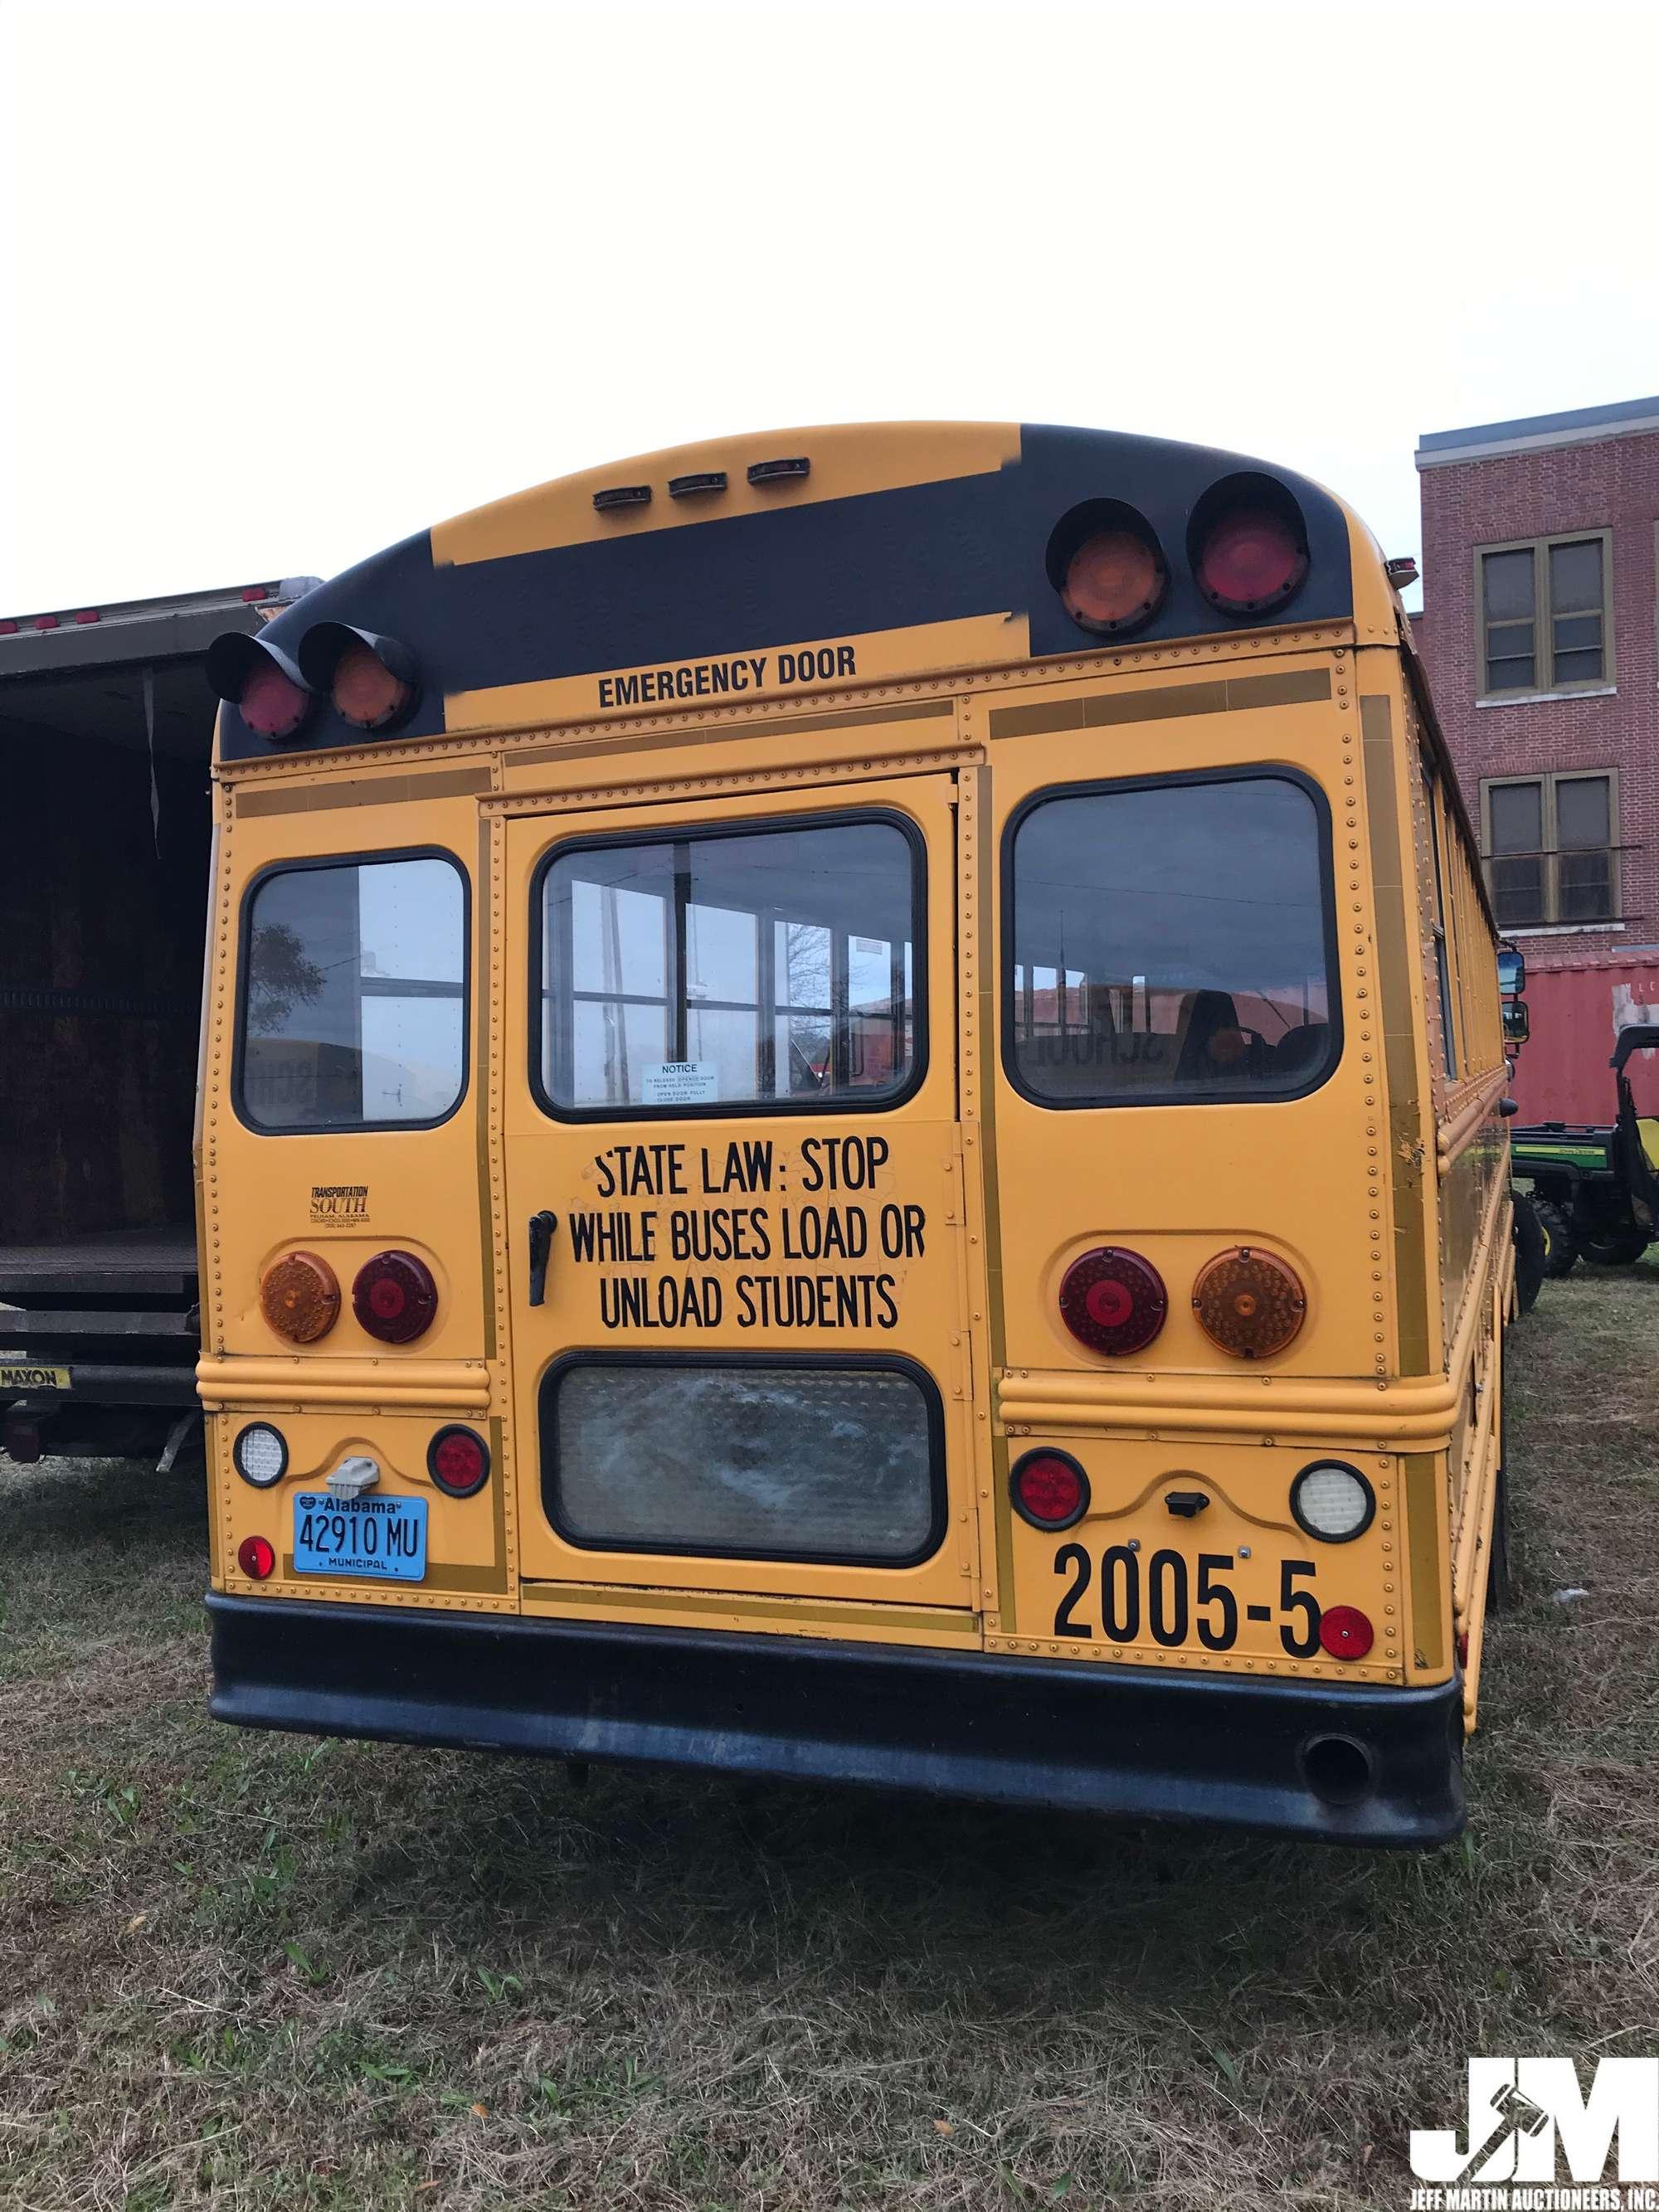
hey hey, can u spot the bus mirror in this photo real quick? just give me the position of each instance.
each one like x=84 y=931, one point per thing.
x=1517 y=1028
x=1511 y=972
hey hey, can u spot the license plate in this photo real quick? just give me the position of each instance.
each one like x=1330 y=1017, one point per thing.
x=382 y=1537
x=18 y=1375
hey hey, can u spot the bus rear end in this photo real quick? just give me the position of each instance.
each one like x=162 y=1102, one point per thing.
x=867 y=1211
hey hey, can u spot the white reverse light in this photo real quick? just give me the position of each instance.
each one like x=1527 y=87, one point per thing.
x=261 y=1454
x=1332 y=1502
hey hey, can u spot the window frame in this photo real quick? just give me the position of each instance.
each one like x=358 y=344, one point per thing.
x=548 y=1385
x=309 y=864
x=1545 y=686
x=1188 y=1094
x=1550 y=851
x=737 y=1108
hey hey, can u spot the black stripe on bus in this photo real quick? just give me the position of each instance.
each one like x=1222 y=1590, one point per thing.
x=965 y=546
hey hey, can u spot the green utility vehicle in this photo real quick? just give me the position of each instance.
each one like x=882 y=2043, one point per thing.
x=1594 y=1190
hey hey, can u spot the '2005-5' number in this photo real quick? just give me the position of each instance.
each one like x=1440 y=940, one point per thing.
x=1173 y=1607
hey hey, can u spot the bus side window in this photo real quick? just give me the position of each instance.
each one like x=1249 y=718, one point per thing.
x=1448 y=1028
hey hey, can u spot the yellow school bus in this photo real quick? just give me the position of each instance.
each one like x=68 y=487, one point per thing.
x=852 y=1127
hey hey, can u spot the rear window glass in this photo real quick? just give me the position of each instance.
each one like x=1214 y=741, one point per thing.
x=761 y=967
x=354 y=995
x=743 y=1459
x=1168 y=942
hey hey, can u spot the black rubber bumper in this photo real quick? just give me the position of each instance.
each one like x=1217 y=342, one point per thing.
x=1360 y=1766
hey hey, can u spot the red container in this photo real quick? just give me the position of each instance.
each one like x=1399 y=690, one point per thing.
x=1575 y=1009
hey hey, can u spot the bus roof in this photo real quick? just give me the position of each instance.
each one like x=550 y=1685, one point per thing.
x=893 y=550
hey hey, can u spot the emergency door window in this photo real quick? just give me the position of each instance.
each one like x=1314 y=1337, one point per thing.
x=354 y=995
x=760 y=966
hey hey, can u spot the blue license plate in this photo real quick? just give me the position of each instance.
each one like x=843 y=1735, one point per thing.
x=384 y=1537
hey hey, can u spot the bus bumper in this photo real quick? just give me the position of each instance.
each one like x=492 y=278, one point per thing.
x=1360 y=1766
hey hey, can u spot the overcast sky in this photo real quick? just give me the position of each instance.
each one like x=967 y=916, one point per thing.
x=287 y=282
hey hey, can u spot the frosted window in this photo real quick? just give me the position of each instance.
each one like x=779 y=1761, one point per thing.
x=749 y=1460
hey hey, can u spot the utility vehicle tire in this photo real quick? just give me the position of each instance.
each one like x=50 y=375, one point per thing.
x=1530 y=1249
x=1560 y=1245
x=1622 y=1249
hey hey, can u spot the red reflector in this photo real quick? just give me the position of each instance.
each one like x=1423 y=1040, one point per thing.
x=256 y=1559
x=366 y=692
x=395 y=1296
x=1049 y=1490
x=254 y=592
x=8 y=627
x=1112 y=1301
x=1345 y=1632
x=272 y=704
x=87 y=615
x=1114 y=579
x=458 y=1461
x=1250 y=560
x=46 y=622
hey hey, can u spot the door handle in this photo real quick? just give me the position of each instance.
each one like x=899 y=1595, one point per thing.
x=541 y=1226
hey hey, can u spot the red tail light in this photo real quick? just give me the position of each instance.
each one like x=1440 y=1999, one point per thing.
x=1048 y=1489
x=395 y=1296
x=1345 y=1632
x=1112 y=1301
x=256 y=1559
x=458 y=1460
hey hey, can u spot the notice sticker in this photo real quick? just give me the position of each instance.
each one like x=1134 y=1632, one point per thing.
x=680 y=1083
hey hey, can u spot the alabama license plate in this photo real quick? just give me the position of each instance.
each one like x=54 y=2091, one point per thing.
x=385 y=1537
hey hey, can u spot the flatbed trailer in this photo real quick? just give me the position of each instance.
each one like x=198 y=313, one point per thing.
x=106 y=737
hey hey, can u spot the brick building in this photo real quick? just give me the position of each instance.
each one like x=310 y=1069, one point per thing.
x=1540 y=632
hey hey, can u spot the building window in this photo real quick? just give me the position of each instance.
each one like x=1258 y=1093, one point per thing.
x=1550 y=844
x=1546 y=615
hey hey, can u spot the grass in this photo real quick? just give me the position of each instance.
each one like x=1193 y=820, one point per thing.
x=257 y=1971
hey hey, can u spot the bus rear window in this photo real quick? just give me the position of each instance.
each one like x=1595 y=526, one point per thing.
x=1170 y=943
x=760 y=966
x=354 y=996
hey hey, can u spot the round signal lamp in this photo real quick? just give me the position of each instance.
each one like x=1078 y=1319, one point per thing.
x=1048 y=1489
x=300 y=1296
x=1112 y=1301
x=272 y=704
x=1113 y=581
x=458 y=1460
x=1249 y=1303
x=260 y=1454
x=1345 y=1632
x=395 y=1296
x=256 y=1559
x=1250 y=562
x=366 y=692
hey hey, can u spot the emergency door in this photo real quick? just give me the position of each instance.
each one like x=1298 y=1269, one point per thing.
x=732 y=1172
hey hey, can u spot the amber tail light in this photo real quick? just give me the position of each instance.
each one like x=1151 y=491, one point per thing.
x=1249 y=1303
x=300 y=1296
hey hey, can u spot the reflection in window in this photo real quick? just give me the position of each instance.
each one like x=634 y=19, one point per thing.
x=764 y=966
x=353 y=1000
x=1169 y=942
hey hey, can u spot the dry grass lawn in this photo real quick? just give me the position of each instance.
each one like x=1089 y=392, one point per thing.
x=260 y=1971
